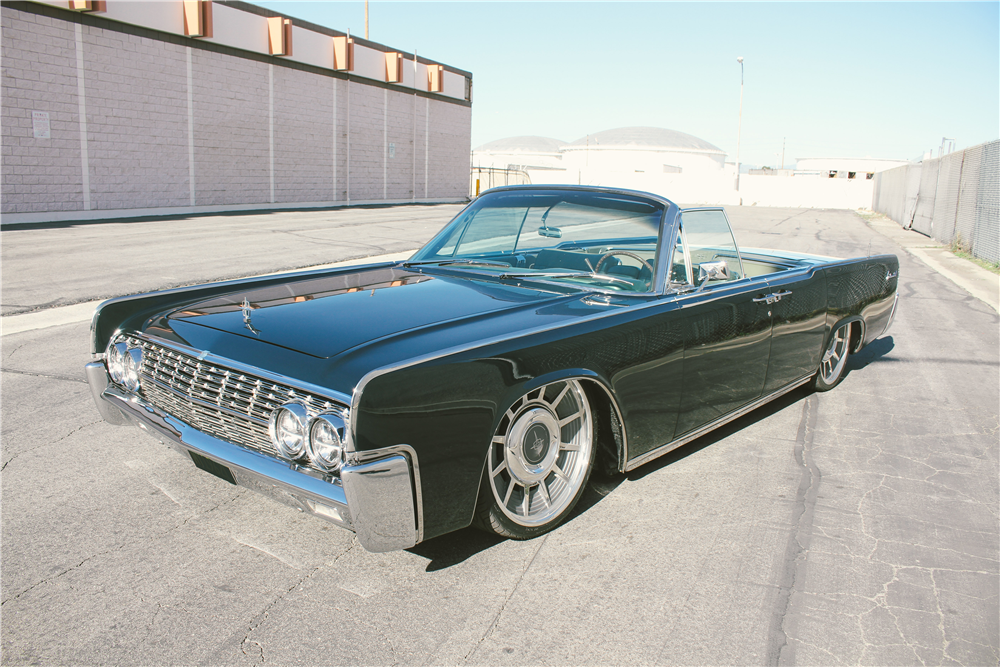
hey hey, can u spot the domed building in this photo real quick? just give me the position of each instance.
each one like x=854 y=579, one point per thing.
x=519 y=153
x=643 y=150
x=667 y=162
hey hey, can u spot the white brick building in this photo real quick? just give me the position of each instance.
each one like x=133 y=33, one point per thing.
x=118 y=112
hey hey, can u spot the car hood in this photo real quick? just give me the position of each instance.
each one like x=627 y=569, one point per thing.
x=330 y=315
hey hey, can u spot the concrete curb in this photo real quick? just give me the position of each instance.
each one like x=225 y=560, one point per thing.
x=82 y=312
x=974 y=279
x=985 y=287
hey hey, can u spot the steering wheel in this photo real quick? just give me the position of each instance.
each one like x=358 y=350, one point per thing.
x=612 y=253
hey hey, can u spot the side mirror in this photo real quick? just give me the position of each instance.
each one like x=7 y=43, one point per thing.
x=550 y=232
x=717 y=270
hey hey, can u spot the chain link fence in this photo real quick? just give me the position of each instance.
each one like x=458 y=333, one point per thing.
x=484 y=178
x=954 y=199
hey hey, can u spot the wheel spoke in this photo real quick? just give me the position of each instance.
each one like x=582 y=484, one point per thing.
x=526 y=503
x=569 y=446
x=558 y=472
x=510 y=490
x=573 y=417
x=499 y=469
x=543 y=491
x=499 y=440
x=561 y=396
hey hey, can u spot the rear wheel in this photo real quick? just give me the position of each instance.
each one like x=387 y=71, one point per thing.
x=539 y=462
x=831 y=366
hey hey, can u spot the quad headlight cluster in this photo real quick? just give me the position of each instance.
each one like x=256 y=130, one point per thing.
x=124 y=363
x=296 y=434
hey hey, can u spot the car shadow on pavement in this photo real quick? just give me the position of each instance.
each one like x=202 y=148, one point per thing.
x=454 y=548
x=875 y=351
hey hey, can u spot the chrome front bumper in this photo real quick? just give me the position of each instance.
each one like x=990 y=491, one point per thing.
x=374 y=498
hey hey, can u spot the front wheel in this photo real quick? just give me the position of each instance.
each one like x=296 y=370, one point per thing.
x=831 y=366
x=539 y=462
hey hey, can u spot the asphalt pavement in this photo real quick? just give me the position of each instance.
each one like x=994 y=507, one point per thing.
x=858 y=526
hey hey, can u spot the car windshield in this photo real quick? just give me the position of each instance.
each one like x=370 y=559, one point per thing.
x=593 y=239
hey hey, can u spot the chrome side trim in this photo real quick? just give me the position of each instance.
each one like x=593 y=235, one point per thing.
x=621 y=420
x=861 y=337
x=892 y=315
x=725 y=419
x=466 y=347
x=684 y=300
x=206 y=355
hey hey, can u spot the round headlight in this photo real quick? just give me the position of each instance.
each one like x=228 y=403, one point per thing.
x=289 y=428
x=116 y=361
x=326 y=442
x=132 y=366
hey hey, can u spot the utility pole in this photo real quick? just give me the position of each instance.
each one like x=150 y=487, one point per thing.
x=366 y=19
x=739 y=130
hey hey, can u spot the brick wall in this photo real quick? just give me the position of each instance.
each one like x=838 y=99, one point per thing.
x=175 y=125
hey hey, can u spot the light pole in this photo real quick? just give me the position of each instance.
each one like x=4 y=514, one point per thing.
x=739 y=130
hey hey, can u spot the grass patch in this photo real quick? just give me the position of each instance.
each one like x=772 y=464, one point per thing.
x=963 y=249
x=870 y=215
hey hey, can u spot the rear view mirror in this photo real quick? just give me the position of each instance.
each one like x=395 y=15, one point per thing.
x=550 y=232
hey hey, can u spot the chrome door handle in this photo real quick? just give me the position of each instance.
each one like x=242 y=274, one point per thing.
x=774 y=297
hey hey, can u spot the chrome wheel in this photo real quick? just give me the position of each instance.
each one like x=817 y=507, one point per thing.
x=540 y=459
x=831 y=366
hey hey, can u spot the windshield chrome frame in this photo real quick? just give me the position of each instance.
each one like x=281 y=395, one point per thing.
x=666 y=233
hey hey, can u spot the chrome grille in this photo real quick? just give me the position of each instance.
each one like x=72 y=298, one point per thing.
x=222 y=402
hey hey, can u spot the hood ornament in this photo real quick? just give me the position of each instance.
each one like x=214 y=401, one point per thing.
x=247 y=310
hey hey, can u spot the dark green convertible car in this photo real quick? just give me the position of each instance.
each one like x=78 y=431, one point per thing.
x=544 y=332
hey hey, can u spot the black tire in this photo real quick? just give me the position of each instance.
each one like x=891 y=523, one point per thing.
x=834 y=360
x=531 y=480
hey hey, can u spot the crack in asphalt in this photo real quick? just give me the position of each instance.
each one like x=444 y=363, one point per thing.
x=46 y=580
x=247 y=644
x=48 y=444
x=503 y=606
x=779 y=649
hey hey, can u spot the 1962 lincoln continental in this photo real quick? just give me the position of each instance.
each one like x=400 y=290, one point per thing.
x=544 y=332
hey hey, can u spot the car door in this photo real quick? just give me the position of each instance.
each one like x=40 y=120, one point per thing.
x=726 y=323
x=798 y=325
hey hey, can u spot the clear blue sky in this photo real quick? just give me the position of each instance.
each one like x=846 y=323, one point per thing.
x=846 y=79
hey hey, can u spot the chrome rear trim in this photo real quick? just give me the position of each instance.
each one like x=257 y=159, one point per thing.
x=697 y=433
